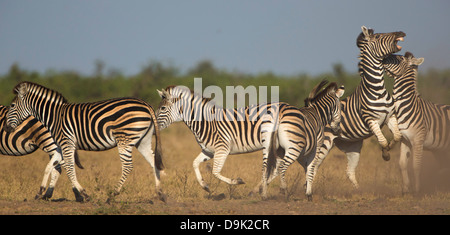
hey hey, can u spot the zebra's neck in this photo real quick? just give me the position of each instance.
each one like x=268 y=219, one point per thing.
x=47 y=109
x=195 y=109
x=324 y=112
x=371 y=71
x=405 y=87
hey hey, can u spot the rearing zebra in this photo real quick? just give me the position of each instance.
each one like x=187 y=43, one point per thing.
x=370 y=107
x=423 y=124
x=26 y=139
x=299 y=131
x=121 y=122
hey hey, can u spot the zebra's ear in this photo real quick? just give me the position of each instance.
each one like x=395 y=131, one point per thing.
x=160 y=93
x=340 y=91
x=164 y=94
x=365 y=31
x=20 y=90
x=417 y=61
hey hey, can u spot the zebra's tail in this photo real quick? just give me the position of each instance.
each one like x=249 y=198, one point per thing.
x=77 y=160
x=158 y=149
x=272 y=154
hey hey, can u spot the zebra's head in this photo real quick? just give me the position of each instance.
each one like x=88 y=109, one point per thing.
x=328 y=100
x=397 y=65
x=18 y=110
x=379 y=44
x=337 y=93
x=170 y=109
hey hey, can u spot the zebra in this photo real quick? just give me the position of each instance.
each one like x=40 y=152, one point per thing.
x=26 y=139
x=299 y=131
x=423 y=124
x=219 y=131
x=370 y=107
x=97 y=126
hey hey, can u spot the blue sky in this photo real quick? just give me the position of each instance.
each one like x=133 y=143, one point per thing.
x=251 y=36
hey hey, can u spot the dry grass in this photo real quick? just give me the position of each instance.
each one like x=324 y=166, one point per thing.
x=333 y=193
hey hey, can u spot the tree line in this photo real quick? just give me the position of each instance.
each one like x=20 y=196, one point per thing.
x=434 y=84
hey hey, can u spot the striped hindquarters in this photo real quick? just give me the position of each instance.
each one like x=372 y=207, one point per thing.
x=30 y=135
x=96 y=126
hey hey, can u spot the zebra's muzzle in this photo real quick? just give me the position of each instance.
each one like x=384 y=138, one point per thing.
x=161 y=125
x=8 y=128
x=401 y=39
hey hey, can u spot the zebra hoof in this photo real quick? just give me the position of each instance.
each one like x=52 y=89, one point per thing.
x=309 y=197
x=78 y=196
x=386 y=155
x=162 y=197
x=38 y=197
x=206 y=188
x=81 y=197
x=239 y=181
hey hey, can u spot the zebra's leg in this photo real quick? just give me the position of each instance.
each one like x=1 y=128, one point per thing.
x=322 y=152
x=393 y=126
x=352 y=163
x=47 y=172
x=125 y=151
x=281 y=171
x=202 y=157
x=55 y=159
x=417 y=158
x=145 y=148
x=405 y=152
x=258 y=187
x=352 y=150
x=267 y=136
x=69 y=166
x=56 y=172
x=220 y=156
x=376 y=130
x=288 y=159
x=310 y=168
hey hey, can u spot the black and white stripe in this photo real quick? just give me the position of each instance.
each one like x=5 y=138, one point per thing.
x=121 y=122
x=423 y=124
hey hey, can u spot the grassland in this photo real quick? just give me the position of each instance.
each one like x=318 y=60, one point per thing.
x=380 y=181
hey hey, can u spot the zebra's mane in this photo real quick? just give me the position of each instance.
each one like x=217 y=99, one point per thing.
x=317 y=92
x=30 y=85
x=173 y=87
